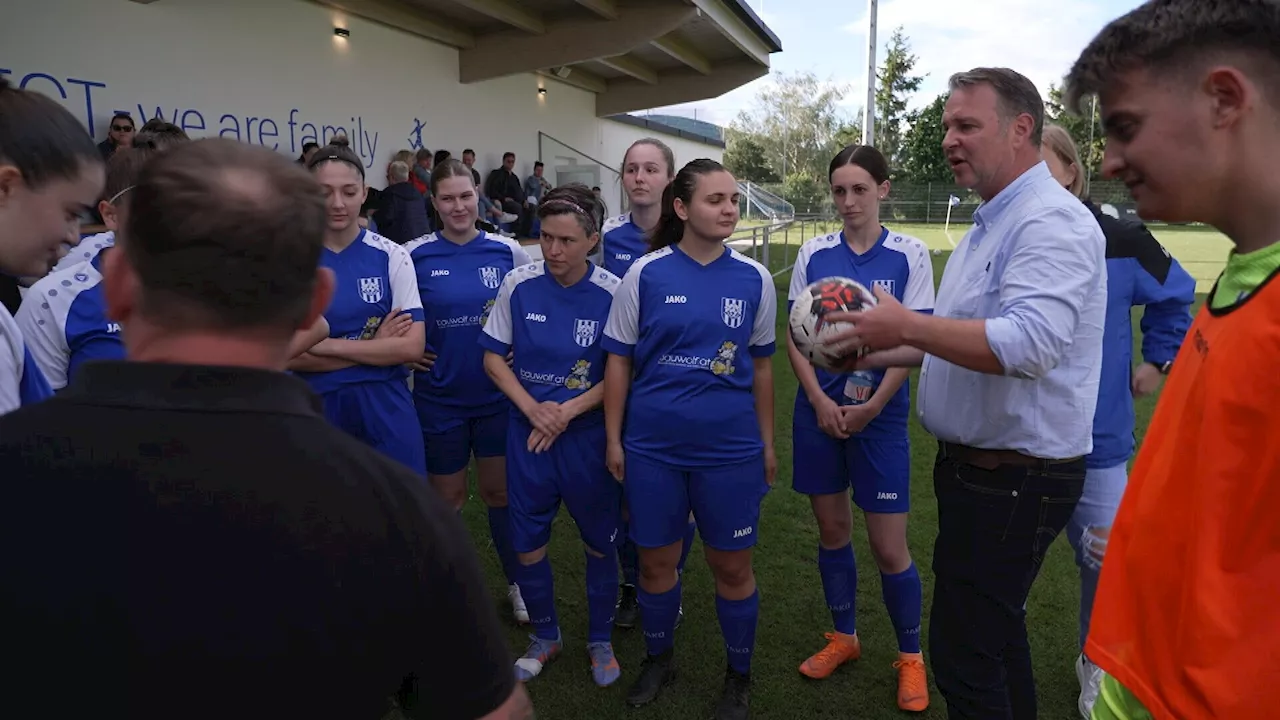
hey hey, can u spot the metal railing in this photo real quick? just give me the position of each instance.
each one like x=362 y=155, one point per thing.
x=776 y=245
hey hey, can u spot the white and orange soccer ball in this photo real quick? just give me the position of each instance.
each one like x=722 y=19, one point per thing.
x=811 y=332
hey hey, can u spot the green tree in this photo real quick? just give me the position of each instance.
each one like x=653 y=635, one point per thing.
x=1079 y=129
x=805 y=192
x=894 y=88
x=796 y=120
x=848 y=135
x=744 y=156
x=922 y=156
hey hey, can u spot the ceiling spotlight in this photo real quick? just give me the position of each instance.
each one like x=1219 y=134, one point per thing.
x=341 y=32
x=542 y=91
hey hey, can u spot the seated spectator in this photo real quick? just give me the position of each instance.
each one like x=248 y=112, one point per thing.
x=503 y=186
x=401 y=213
x=469 y=159
x=120 y=135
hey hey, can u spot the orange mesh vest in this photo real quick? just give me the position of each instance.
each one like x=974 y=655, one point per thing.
x=1187 y=615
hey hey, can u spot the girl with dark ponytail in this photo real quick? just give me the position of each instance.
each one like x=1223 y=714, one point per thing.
x=688 y=397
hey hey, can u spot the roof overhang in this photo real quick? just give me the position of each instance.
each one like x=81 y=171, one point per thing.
x=633 y=54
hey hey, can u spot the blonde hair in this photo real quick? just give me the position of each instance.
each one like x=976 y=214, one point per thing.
x=1058 y=141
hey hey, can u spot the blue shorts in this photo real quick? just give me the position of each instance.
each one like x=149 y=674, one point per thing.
x=382 y=415
x=878 y=470
x=572 y=470
x=454 y=440
x=725 y=501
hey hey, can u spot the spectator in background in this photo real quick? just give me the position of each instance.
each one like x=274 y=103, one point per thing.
x=441 y=156
x=503 y=186
x=120 y=135
x=601 y=209
x=421 y=166
x=401 y=213
x=308 y=149
x=535 y=186
x=469 y=159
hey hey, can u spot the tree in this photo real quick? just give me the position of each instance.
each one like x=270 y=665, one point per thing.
x=894 y=87
x=796 y=120
x=744 y=156
x=1078 y=128
x=806 y=193
x=922 y=156
x=848 y=135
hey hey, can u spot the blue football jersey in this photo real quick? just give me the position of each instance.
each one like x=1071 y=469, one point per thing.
x=373 y=276
x=458 y=285
x=692 y=333
x=622 y=243
x=64 y=322
x=21 y=382
x=897 y=263
x=553 y=331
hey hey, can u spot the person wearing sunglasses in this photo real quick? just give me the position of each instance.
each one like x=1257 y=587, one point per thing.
x=120 y=135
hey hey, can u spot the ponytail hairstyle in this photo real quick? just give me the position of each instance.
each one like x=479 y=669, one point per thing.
x=41 y=139
x=572 y=199
x=670 y=228
x=338 y=150
x=448 y=169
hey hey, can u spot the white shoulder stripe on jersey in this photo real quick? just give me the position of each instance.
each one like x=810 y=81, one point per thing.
x=648 y=258
x=419 y=242
x=615 y=222
x=602 y=278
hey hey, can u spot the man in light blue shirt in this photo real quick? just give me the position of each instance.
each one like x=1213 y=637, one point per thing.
x=1011 y=360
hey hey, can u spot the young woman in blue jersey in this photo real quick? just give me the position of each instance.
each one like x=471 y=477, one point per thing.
x=50 y=174
x=463 y=414
x=375 y=320
x=548 y=317
x=647 y=169
x=689 y=413
x=850 y=429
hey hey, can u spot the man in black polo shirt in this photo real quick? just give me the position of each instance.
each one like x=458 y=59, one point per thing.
x=184 y=536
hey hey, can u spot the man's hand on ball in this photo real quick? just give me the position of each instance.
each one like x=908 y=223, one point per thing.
x=877 y=328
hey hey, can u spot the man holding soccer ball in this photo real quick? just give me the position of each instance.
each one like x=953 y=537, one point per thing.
x=1011 y=362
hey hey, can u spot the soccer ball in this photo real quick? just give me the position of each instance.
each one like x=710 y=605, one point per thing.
x=810 y=331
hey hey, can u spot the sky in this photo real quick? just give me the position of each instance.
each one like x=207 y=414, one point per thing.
x=829 y=38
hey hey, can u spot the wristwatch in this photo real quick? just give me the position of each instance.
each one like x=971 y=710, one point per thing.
x=1165 y=367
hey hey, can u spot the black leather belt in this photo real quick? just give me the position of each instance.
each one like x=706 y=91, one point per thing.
x=992 y=459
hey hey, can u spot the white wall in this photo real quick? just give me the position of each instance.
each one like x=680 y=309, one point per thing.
x=616 y=137
x=271 y=72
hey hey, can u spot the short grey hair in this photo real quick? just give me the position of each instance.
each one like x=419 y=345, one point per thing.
x=1017 y=94
x=399 y=171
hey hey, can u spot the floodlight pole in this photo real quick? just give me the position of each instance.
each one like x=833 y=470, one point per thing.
x=869 y=110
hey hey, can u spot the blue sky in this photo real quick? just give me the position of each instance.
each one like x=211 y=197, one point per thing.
x=828 y=37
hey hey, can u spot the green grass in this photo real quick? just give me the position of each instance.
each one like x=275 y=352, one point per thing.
x=793 y=613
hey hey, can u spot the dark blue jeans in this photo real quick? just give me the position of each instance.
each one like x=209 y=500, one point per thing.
x=994 y=527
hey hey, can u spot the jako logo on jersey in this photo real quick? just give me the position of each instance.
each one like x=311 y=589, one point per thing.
x=622 y=256
x=743 y=532
x=438 y=273
x=490 y=277
x=677 y=299
x=371 y=289
x=886 y=496
x=113 y=327
x=732 y=311
x=584 y=331
x=536 y=317
x=885 y=285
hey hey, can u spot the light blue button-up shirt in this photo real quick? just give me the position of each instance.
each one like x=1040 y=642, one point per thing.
x=1034 y=266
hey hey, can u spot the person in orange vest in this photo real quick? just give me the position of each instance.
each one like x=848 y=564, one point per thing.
x=1184 y=622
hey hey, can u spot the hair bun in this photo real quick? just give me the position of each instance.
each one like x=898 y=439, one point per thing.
x=340 y=141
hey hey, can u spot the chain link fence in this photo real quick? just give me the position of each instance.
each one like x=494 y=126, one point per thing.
x=928 y=202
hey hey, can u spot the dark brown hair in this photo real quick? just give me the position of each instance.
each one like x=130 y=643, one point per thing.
x=572 y=199
x=225 y=236
x=159 y=134
x=865 y=157
x=338 y=150
x=41 y=139
x=126 y=163
x=670 y=228
x=447 y=169
x=1017 y=94
x=1168 y=34
x=667 y=154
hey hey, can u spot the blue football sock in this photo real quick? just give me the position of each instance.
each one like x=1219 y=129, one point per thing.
x=658 y=615
x=902 y=598
x=840 y=585
x=689 y=532
x=738 y=625
x=538 y=590
x=602 y=596
x=500 y=531
x=628 y=557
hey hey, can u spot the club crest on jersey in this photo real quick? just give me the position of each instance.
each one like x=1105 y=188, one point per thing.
x=732 y=311
x=371 y=289
x=885 y=285
x=490 y=277
x=584 y=331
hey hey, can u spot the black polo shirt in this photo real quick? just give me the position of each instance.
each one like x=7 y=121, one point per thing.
x=197 y=542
